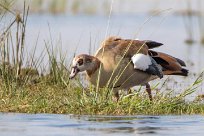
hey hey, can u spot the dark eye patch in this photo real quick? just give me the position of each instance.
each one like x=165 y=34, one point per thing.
x=80 y=62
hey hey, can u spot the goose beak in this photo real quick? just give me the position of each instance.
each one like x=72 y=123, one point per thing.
x=74 y=72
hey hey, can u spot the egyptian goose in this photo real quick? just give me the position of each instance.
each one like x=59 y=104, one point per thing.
x=125 y=63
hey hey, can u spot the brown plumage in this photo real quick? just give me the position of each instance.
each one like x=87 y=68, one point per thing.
x=170 y=65
x=125 y=63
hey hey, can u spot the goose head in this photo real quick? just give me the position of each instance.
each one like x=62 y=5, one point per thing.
x=82 y=63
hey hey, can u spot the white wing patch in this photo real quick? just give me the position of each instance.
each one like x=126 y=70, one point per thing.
x=141 y=61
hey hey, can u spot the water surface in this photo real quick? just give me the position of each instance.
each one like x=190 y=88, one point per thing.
x=69 y=125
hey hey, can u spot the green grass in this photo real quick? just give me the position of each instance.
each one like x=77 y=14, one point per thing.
x=23 y=89
x=47 y=96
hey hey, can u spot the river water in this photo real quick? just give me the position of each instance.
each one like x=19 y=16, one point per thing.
x=71 y=125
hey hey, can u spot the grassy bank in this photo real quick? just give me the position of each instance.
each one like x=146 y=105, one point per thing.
x=24 y=89
x=47 y=96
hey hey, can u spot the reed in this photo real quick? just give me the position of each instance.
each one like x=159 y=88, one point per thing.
x=12 y=48
x=201 y=21
x=188 y=23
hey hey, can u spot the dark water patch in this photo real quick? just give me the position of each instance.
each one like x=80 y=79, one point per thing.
x=115 y=118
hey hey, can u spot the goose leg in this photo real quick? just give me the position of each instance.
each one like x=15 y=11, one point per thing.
x=115 y=95
x=148 y=89
x=129 y=91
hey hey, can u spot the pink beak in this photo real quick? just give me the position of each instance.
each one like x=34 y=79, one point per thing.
x=74 y=72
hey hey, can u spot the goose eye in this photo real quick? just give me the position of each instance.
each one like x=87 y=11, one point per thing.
x=80 y=62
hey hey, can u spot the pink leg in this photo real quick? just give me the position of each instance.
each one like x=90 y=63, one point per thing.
x=148 y=89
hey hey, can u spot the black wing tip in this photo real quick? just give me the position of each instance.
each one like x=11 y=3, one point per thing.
x=152 y=44
x=184 y=72
x=181 y=62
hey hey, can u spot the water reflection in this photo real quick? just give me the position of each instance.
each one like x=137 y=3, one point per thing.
x=123 y=124
x=148 y=130
x=112 y=130
x=139 y=130
x=113 y=118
